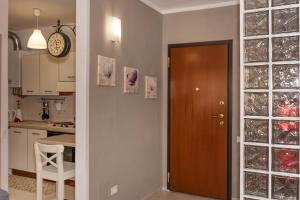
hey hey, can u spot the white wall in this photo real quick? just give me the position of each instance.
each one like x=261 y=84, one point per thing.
x=3 y=90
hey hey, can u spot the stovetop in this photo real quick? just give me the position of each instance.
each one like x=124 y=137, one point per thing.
x=64 y=124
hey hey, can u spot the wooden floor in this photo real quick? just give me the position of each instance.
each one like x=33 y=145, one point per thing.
x=175 y=196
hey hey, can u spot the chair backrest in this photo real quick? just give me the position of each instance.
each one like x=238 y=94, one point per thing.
x=42 y=160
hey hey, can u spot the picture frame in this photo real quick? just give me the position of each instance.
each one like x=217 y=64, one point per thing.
x=150 y=87
x=131 y=80
x=106 y=71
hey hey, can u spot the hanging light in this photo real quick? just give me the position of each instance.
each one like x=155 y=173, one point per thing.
x=37 y=40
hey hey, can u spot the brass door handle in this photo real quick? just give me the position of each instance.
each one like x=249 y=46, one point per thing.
x=220 y=116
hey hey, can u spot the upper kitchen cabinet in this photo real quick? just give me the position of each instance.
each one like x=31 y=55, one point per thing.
x=67 y=73
x=67 y=67
x=48 y=74
x=30 y=75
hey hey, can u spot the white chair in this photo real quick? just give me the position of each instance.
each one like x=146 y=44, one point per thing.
x=58 y=170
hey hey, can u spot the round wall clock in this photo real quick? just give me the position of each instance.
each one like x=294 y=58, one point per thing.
x=59 y=44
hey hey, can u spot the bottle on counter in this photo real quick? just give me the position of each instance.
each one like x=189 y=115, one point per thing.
x=18 y=117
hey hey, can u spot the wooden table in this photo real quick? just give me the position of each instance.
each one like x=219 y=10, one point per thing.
x=65 y=139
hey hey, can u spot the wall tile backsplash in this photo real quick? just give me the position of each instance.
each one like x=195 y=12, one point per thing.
x=32 y=108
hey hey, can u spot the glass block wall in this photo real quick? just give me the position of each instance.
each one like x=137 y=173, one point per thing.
x=270 y=99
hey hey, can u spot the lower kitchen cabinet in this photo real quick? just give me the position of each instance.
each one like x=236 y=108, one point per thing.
x=21 y=148
x=33 y=136
x=18 y=148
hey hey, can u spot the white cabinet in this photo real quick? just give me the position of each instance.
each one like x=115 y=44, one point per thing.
x=48 y=74
x=67 y=67
x=43 y=74
x=30 y=75
x=33 y=136
x=21 y=148
x=18 y=148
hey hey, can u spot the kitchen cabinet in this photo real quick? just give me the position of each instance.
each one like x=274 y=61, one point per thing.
x=48 y=74
x=18 y=148
x=43 y=74
x=32 y=136
x=30 y=75
x=21 y=148
x=67 y=67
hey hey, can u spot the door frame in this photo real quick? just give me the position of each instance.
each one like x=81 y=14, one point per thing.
x=82 y=97
x=229 y=113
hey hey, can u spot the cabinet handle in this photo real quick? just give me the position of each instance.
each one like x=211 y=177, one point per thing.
x=17 y=132
x=71 y=76
x=35 y=133
x=48 y=91
x=29 y=91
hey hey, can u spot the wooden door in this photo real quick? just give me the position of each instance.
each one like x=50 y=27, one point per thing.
x=198 y=120
x=48 y=74
x=30 y=75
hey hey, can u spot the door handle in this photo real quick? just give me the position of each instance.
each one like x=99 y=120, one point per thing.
x=220 y=116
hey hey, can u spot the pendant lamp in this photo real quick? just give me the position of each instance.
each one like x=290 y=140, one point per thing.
x=37 y=40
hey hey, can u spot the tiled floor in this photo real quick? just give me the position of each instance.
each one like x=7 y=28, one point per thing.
x=23 y=195
x=175 y=196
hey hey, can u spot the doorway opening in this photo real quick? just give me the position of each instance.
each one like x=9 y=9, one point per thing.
x=199 y=118
x=61 y=98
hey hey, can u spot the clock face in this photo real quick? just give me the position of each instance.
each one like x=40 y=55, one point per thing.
x=56 y=44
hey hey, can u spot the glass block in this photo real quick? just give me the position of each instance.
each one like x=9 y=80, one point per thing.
x=285 y=76
x=256 y=157
x=286 y=104
x=256 y=130
x=256 y=104
x=254 y=4
x=285 y=188
x=285 y=48
x=256 y=77
x=285 y=160
x=257 y=23
x=256 y=184
x=285 y=132
x=283 y=2
x=257 y=50
x=286 y=20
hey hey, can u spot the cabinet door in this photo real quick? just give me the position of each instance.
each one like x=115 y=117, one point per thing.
x=48 y=74
x=30 y=75
x=18 y=148
x=33 y=136
x=67 y=66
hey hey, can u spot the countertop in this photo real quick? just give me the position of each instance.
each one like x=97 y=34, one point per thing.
x=40 y=125
x=67 y=140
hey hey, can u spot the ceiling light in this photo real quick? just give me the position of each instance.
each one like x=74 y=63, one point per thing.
x=37 y=40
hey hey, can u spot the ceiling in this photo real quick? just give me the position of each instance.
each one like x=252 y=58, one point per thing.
x=21 y=12
x=173 y=6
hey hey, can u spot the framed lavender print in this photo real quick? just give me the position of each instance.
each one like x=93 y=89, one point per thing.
x=106 y=73
x=131 y=80
x=150 y=87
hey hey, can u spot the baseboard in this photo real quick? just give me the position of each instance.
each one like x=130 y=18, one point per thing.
x=152 y=193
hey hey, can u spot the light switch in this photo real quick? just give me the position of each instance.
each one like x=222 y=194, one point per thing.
x=113 y=190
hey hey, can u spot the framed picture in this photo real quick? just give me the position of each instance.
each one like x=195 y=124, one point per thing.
x=106 y=73
x=131 y=80
x=150 y=87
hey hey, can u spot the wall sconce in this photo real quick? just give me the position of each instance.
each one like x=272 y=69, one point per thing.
x=114 y=29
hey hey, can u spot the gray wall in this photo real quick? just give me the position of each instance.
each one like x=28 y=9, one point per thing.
x=199 y=26
x=125 y=130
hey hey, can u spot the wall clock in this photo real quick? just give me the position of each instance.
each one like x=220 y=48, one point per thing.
x=59 y=44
